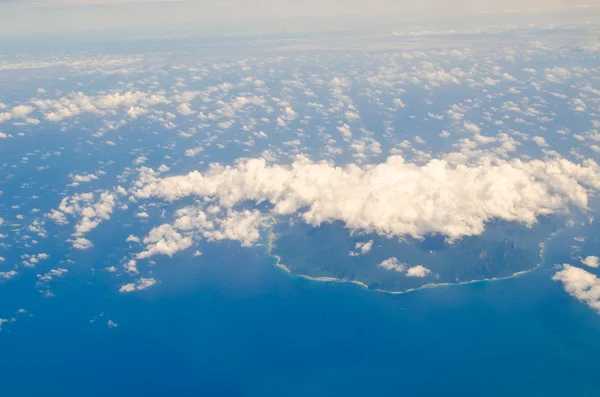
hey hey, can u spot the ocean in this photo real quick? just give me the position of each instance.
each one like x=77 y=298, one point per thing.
x=229 y=323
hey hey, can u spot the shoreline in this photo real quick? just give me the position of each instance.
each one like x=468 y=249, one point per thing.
x=271 y=240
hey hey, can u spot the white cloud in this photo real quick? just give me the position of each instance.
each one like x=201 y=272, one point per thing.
x=580 y=284
x=84 y=178
x=194 y=151
x=363 y=248
x=82 y=243
x=165 y=240
x=138 y=285
x=77 y=103
x=540 y=141
x=30 y=260
x=49 y=276
x=90 y=211
x=591 y=261
x=417 y=271
x=393 y=198
x=132 y=239
x=393 y=264
x=8 y=274
x=471 y=127
x=131 y=267
x=558 y=74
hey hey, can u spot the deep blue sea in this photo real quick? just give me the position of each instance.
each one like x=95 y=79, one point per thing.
x=229 y=323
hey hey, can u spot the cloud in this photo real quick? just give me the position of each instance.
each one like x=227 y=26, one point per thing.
x=558 y=74
x=193 y=223
x=30 y=260
x=417 y=271
x=164 y=240
x=82 y=243
x=394 y=198
x=138 y=285
x=540 y=141
x=76 y=103
x=393 y=264
x=90 y=211
x=471 y=127
x=7 y=275
x=580 y=284
x=84 y=178
x=591 y=261
x=362 y=248
x=50 y=275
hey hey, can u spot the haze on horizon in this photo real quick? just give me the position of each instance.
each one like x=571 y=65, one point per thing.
x=41 y=17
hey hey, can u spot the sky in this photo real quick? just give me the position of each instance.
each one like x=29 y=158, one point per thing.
x=31 y=17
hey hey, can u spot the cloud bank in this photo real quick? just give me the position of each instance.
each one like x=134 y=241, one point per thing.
x=394 y=198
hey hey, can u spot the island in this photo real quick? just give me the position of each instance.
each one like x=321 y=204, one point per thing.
x=331 y=252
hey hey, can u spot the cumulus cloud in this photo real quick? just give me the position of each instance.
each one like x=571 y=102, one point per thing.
x=138 y=285
x=580 y=284
x=193 y=223
x=50 y=275
x=362 y=248
x=84 y=178
x=393 y=264
x=8 y=274
x=30 y=260
x=77 y=103
x=164 y=240
x=591 y=261
x=394 y=198
x=540 y=141
x=417 y=271
x=89 y=208
x=82 y=243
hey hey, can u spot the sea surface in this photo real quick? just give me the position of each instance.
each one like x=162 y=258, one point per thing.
x=230 y=323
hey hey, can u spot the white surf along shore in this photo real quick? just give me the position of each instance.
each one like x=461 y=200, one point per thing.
x=271 y=244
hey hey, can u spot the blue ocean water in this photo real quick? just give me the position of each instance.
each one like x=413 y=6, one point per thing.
x=229 y=323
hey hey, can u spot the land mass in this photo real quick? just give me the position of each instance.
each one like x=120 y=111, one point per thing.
x=329 y=253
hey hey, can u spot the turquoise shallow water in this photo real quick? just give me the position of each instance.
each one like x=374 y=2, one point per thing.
x=231 y=324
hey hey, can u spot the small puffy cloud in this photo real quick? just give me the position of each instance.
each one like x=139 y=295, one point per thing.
x=580 y=284
x=82 y=243
x=30 y=260
x=362 y=248
x=164 y=240
x=131 y=267
x=138 y=285
x=365 y=247
x=591 y=261
x=471 y=127
x=194 y=151
x=84 y=178
x=558 y=74
x=132 y=239
x=540 y=141
x=49 y=276
x=417 y=271
x=21 y=111
x=393 y=264
x=90 y=210
x=8 y=274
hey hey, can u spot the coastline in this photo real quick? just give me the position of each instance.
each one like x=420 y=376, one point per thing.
x=271 y=240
